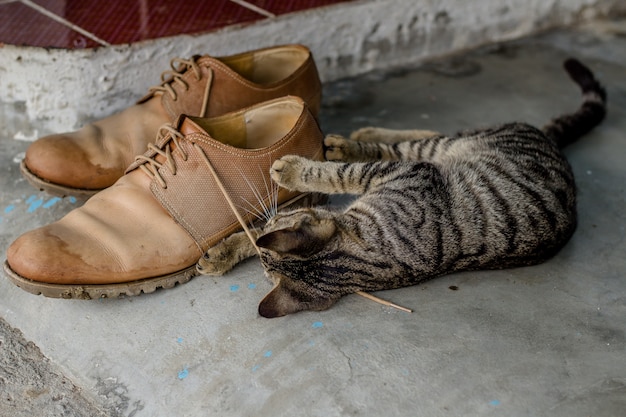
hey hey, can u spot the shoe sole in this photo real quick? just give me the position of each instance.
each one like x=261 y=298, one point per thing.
x=91 y=292
x=133 y=288
x=52 y=188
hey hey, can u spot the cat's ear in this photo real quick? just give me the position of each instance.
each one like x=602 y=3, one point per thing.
x=282 y=301
x=302 y=240
x=279 y=302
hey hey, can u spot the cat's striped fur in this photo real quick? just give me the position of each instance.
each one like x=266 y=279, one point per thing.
x=429 y=205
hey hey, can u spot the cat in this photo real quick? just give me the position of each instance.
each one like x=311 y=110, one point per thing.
x=429 y=205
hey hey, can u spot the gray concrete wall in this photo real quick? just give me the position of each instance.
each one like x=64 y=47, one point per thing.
x=58 y=90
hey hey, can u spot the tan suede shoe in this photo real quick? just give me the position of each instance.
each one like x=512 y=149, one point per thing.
x=93 y=158
x=150 y=228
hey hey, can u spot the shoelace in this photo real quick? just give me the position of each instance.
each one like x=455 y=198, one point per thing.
x=175 y=75
x=150 y=165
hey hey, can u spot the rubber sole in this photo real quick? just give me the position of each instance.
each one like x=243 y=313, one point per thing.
x=132 y=288
x=91 y=292
x=52 y=188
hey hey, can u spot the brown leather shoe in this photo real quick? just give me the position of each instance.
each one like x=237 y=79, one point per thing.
x=150 y=228
x=93 y=158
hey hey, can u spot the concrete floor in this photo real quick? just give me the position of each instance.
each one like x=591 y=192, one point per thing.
x=547 y=340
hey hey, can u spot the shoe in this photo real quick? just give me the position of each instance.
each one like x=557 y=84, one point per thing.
x=150 y=228
x=84 y=162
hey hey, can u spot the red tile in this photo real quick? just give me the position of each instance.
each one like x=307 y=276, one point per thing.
x=127 y=21
x=287 y=6
x=119 y=22
x=21 y=25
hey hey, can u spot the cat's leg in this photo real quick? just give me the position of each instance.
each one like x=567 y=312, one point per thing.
x=301 y=174
x=383 y=135
x=222 y=257
x=373 y=144
x=339 y=148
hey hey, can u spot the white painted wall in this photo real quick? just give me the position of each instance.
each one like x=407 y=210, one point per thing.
x=53 y=90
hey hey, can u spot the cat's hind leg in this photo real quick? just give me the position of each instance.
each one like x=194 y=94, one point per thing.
x=222 y=257
x=374 y=144
x=339 y=148
x=383 y=135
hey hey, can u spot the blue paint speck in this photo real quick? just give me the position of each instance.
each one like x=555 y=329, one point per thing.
x=179 y=340
x=34 y=205
x=31 y=199
x=72 y=199
x=494 y=402
x=268 y=354
x=234 y=288
x=183 y=374
x=251 y=286
x=317 y=325
x=9 y=209
x=51 y=202
x=255 y=368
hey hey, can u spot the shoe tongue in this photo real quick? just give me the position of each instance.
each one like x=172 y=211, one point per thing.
x=186 y=126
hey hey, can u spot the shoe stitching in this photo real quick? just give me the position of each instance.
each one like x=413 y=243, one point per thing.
x=250 y=153
x=180 y=219
x=241 y=80
x=234 y=75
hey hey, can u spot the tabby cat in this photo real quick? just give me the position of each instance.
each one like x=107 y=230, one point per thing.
x=429 y=205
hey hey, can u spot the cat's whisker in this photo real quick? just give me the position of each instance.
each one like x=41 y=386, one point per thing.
x=267 y=189
x=254 y=210
x=255 y=213
x=257 y=195
x=259 y=211
x=274 y=207
x=272 y=192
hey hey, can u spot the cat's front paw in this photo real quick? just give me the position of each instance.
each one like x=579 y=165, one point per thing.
x=217 y=261
x=286 y=171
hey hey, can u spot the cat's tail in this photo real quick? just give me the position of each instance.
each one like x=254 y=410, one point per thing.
x=569 y=127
